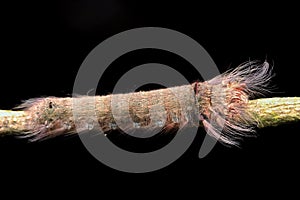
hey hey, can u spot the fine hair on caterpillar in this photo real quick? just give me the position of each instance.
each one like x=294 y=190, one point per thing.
x=225 y=117
x=219 y=105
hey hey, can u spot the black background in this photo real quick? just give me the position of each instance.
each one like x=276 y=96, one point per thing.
x=44 y=43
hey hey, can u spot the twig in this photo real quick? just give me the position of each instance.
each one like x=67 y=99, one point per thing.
x=275 y=111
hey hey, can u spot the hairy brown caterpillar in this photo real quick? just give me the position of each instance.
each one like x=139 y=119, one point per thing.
x=220 y=105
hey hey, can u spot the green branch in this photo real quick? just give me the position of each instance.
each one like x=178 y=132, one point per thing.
x=275 y=111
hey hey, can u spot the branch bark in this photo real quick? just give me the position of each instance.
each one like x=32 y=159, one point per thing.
x=275 y=111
